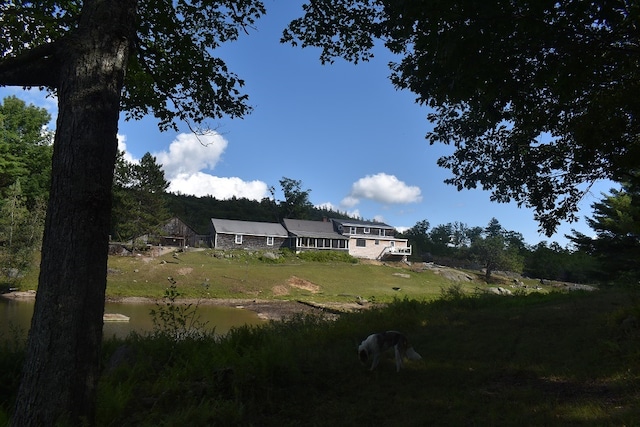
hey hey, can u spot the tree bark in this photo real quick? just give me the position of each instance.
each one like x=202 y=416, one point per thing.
x=61 y=369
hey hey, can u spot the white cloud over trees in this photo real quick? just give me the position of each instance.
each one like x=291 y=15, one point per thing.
x=382 y=188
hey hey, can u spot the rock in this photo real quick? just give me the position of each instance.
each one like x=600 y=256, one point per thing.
x=499 y=290
x=270 y=255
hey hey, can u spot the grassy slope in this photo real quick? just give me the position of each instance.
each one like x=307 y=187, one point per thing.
x=200 y=274
x=540 y=359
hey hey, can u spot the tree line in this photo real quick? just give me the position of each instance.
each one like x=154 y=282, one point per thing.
x=141 y=206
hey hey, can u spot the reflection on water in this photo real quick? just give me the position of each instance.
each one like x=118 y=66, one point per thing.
x=15 y=318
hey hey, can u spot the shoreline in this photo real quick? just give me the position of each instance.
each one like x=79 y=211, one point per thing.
x=265 y=309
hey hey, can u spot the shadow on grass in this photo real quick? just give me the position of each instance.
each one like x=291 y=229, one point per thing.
x=556 y=359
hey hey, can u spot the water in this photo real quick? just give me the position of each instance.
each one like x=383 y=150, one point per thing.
x=15 y=318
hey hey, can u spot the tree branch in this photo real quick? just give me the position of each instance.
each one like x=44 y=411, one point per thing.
x=35 y=67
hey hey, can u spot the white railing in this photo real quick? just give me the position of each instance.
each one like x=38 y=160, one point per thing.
x=397 y=250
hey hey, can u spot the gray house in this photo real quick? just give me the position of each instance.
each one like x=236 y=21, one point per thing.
x=233 y=234
x=314 y=235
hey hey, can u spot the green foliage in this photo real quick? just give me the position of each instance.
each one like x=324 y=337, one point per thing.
x=139 y=206
x=498 y=249
x=616 y=223
x=296 y=202
x=174 y=320
x=20 y=234
x=25 y=149
x=327 y=256
x=535 y=116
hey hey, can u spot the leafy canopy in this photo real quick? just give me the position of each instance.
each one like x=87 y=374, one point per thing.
x=172 y=74
x=539 y=98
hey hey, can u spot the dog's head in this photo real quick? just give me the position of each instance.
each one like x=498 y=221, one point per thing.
x=363 y=354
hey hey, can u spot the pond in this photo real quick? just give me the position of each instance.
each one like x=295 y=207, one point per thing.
x=15 y=318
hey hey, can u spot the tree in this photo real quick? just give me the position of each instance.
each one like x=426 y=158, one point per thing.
x=296 y=202
x=100 y=57
x=441 y=239
x=418 y=235
x=25 y=149
x=139 y=206
x=20 y=232
x=494 y=251
x=538 y=98
x=616 y=223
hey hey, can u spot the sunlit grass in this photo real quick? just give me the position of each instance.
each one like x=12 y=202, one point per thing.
x=201 y=274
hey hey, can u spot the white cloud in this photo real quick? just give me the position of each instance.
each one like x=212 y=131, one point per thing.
x=378 y=218
x=201 y=184
x=122 y=146
x=183 y=166
x=382 y=188
x=189 y=154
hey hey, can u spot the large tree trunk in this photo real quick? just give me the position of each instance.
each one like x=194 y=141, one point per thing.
x=63 y=351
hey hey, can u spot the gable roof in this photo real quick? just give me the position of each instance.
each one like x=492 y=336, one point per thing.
x=304 y=228
x=358 y=223
x=231 y=226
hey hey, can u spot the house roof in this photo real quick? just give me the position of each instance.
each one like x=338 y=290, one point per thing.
x=358 y=223
x=304 y=228
x=231 y=226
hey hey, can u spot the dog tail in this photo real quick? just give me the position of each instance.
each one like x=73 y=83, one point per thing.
x=411 y=354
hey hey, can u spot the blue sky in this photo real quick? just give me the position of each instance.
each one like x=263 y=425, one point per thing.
x=342 y=130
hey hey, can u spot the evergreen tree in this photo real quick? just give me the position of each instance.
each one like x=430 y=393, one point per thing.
x=139 y=206
x=616 y=223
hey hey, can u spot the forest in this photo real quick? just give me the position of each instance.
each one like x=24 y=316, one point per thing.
x=142 y=205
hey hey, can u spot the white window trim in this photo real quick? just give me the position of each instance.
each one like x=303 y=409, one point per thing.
x=270 y=240
x=238 y=239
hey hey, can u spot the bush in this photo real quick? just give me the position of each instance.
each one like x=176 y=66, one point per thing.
x=327 y=256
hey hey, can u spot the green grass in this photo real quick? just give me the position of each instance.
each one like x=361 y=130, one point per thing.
x=551 y=358
x=238 y=275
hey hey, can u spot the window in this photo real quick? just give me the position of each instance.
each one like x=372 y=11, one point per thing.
x=361 y=243
x=382 y=232
x=377 y=242
x=238 y=239
x=367 y=230
x=269 y=240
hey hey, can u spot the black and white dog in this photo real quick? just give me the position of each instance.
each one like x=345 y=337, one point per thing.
x=376 y=344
